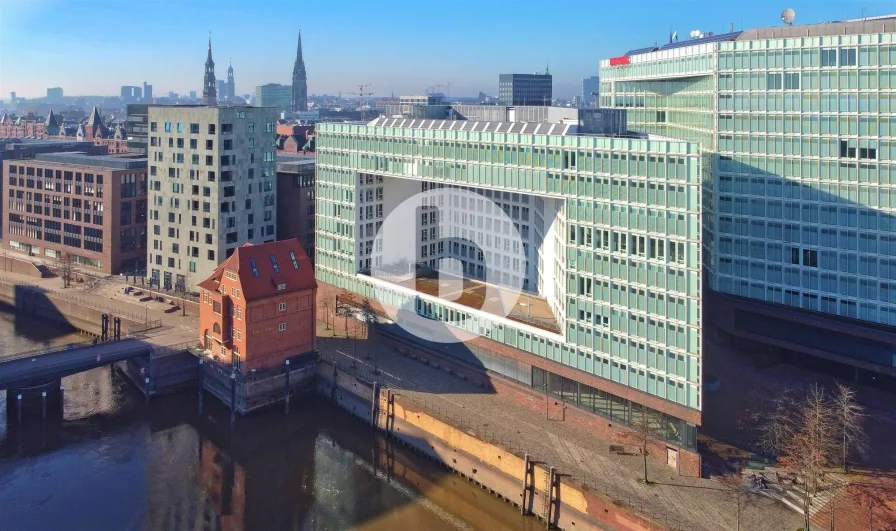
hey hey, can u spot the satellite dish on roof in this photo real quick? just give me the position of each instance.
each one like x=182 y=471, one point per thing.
x=788 y=15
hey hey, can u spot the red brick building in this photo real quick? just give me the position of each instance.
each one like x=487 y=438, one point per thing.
x=92 y=207
x=258 y=307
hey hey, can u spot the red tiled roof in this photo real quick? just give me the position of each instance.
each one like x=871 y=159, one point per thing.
x=262 y=281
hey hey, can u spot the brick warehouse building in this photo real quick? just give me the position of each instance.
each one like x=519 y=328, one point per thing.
x=258 y=306
x=90 y=206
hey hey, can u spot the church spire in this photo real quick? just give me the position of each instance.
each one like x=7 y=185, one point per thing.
x=299 y=80
x=209 y=91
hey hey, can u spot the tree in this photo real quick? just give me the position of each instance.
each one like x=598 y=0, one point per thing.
x=368 y=315
x=803 y=435
x=644 y=428
x=734 y=484
x=65 y=263
x=850 y=419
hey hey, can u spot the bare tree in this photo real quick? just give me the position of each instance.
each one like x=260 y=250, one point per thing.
x=644 y=429
x=850 y=422
x=803 y=435
x=734 y=485
x=65 y=263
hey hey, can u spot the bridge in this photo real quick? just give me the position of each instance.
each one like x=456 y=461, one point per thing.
x=31 y=369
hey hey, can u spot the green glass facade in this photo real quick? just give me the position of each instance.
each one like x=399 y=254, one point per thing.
x=799 y=144
x=627 y=263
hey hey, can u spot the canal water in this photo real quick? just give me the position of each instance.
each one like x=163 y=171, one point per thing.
x=110 y=461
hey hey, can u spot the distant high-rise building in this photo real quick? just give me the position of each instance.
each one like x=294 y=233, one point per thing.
x=230 y=90
x=274 y=95
x=193 y=95
x=590 y=91
x=525 y=89
x=13 y=101
x=209 y=90
x=299 y=81
x=54 y=95
x=147 y=93
x=237 y=176
x=130 y=94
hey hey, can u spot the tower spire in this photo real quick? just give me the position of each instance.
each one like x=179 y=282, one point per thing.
x=299 y=80
x=209 y=91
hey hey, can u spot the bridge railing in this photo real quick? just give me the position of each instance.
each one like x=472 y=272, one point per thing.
x=76 y=300
x=45 y=350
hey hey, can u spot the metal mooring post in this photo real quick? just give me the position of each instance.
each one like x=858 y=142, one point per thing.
x=232 y=399
x=286 y=387
x=200 y=386
x=43 y=399
x=19 y=400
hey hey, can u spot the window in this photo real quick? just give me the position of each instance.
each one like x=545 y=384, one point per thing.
x=194 y=129
x=828 y=57
x=282 y=306
x=774 y=81
x=791 y=81
x=254 y=267
x=211 y=129
x=848 y=57
x=282 y=327
x=275 y=266
x=167 y=127
x=810 y=257
x=281 y=287
x=295 y=262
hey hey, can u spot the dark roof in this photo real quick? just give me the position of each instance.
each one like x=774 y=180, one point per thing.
x=261 y=281
x=638 y=51
x=687 y=42
x=101 y=161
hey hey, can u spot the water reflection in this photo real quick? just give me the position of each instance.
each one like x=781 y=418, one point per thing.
x=113 y=462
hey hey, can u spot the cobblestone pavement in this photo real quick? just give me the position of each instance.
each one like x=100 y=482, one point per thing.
x=685 y=503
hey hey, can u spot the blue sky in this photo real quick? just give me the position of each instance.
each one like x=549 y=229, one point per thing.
x=95 y=46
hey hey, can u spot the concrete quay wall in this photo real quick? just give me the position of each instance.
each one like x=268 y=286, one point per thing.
x=59 y=308
x=493 y=467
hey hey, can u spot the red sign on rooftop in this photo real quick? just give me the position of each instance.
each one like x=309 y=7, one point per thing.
x=617 y=61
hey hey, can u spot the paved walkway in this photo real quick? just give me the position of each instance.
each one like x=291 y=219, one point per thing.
x=108 y=292
x=686 y=503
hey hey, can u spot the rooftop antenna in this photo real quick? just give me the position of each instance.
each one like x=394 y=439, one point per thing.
x=787 y=16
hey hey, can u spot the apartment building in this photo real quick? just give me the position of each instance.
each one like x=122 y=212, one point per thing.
x=610 y=233
x=295 y=200
x=212 y=176
x=90 y=207
x=797 y=135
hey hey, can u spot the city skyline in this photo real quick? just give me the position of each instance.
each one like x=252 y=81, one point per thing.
x=337 y=42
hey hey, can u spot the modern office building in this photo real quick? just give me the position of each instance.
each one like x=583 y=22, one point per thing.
x=610 y=264
x=54 y=95
x=274 y=95
x=590 y=91
x=147 y=93
x=131 y=94
x=138 y=127
x=798 y=142
x=92 y=207
x=525 y=89
x=295 y=199
x=212 y=174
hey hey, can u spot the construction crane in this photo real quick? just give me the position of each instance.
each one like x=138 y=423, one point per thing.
x=361 y=95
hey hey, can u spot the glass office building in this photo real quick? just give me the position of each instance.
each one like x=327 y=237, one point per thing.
x=797 y=130
x=613 y=231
